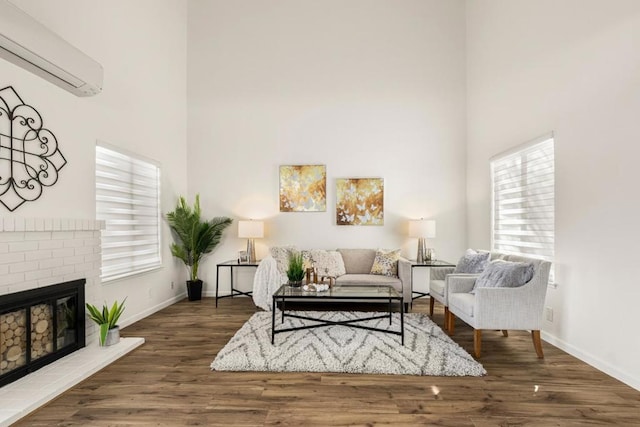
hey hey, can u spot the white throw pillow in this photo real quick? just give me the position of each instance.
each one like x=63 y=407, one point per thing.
x=328 y=263
x=281 y=254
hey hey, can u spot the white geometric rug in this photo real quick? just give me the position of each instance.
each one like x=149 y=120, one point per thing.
x=427 y=349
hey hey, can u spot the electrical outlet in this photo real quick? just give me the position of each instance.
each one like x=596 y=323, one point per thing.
x=172 y=284
x=548 y=314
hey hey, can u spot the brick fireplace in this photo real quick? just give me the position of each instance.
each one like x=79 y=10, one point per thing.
x=36 y=253
x=39 y=326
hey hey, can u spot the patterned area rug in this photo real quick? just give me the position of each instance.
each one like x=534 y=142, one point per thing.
x=427 y=350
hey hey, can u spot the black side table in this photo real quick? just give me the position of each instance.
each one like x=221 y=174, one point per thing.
x=232 y=265
x=430 y=264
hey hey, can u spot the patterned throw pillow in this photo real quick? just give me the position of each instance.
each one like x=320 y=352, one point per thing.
x=505 y=274
x=328 y=263
x=472 y=262
x=281 y=254
x=386 y=262
x=307 y=261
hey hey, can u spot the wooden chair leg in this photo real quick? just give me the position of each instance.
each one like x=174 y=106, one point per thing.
x=431 y=304
x=537 y=343
x=505 y=333
x=477 y=342
x=451 y=322
x=446 y=318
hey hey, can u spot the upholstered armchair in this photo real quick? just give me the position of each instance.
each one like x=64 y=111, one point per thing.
x=438 y=285
x=470 y=265
x=500 y=308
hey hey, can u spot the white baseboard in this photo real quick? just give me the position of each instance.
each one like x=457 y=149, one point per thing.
x=151 y=310
x=592 y=360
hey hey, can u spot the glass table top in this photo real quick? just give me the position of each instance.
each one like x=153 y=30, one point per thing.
x=337 y=291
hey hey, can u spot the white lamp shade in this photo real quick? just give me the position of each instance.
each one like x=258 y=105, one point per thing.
x=251 y=229
x=422 y=228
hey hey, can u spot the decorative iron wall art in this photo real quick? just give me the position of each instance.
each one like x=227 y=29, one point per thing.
x=29 y=156
x=303 y=188
x=359 y=201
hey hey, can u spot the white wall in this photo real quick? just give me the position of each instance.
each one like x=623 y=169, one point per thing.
x=369 y=88
x=570 y=67
x=142 y=47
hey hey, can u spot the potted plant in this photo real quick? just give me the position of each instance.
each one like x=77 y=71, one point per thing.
x=107 y=320
x=295 y=272
x=195 y=238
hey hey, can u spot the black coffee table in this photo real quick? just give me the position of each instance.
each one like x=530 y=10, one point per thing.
x=365 y=293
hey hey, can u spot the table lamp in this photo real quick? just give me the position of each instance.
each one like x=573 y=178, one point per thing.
x=251 y=230
x=422 y=229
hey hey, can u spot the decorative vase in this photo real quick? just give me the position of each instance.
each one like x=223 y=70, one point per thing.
x=113 y=336
x=108 y=336
x=295 y=283
x=194 y=290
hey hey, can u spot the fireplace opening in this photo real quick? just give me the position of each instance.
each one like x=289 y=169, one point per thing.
x=39 y=326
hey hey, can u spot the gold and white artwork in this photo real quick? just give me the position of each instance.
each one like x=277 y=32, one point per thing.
x=360 y=201
x=303 y=188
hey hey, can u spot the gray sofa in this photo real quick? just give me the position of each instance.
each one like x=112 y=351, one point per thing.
x=357 y=262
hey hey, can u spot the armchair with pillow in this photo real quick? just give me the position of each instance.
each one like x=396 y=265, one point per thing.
x=471 y=264
x=346 y=266
x=508 y=294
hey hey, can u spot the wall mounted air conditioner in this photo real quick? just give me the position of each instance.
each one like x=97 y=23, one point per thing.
x=32 y=46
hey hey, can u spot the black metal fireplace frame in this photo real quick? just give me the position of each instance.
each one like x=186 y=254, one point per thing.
x=48 y=294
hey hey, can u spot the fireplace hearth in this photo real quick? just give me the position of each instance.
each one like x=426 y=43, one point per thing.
x=39 y=326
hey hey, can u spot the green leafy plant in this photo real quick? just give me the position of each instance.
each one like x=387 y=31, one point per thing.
x=107 y=318
x=195 y=236
x=296 y=272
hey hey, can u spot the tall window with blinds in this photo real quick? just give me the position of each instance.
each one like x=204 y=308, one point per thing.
x=128 y=199
x=523 y=200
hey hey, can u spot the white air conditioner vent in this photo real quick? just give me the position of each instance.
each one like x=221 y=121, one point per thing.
x=32 y=46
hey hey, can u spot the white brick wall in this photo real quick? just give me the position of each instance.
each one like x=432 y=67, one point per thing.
x=37 y=252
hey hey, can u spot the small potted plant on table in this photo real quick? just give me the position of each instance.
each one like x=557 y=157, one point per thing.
x=295 y=272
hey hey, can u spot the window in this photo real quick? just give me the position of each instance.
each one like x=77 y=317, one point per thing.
x=523 y=200
x=128 y=199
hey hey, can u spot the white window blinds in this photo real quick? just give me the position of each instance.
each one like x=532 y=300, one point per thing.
x=128 y=199
x=523 y=200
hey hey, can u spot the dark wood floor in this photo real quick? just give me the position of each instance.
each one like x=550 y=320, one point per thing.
x=167 y=381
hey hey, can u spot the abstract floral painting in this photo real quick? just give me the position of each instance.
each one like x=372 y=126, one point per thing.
x=303 y=188
x=360 y=201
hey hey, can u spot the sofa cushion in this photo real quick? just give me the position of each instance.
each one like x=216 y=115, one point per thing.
x=328 y=263
x=505 y=274
x=358 y=261
x=386 y=262
x=472 y=262
x=281 y=254
x=369 y=279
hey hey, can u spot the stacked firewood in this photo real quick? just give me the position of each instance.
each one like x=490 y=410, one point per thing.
x=41 y=331
x=13 y=336
x=13 y=340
